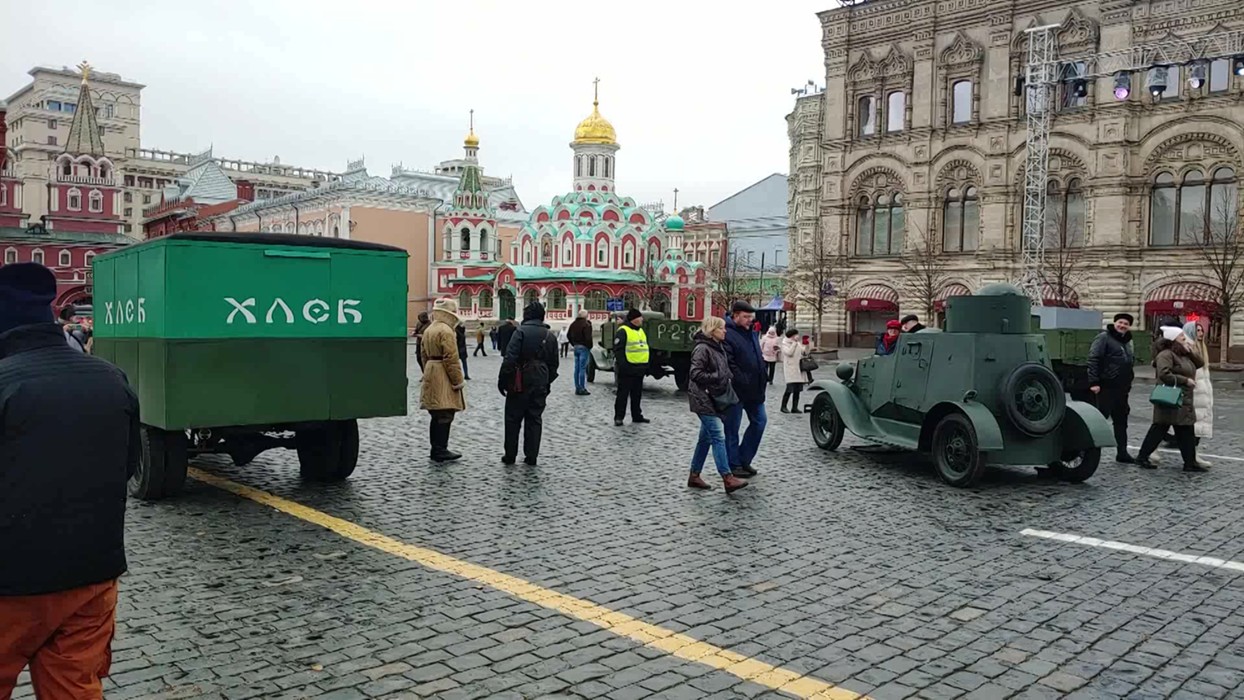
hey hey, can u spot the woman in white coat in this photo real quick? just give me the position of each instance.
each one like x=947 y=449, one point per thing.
x=792 y=352
x=1203 y=397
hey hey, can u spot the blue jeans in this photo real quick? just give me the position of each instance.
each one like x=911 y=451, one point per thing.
x=742 y=452
x=712 y=434
x=581 y=355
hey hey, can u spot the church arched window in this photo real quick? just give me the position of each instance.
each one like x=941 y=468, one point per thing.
x=75 y=200
x=591 y=166
x=464 y=239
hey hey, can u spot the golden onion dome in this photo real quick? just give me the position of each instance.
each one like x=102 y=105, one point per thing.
x=471 y=141
x=595 y=129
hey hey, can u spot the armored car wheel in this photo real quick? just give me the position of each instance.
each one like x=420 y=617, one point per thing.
x=161 y=469
x=1034 y=399
x=328 y=453
x=956 y=451
x=827 y=428
x=1078 y=466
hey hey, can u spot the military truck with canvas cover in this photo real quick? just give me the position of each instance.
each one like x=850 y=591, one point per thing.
x=980 y=393
x=669 y=348
x=237 y=343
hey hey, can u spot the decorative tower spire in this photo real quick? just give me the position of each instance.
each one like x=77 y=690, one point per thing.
x=595 y=143
x=84 y=138
x=471 y=143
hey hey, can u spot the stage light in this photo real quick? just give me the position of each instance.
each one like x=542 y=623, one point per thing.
x=1196 y=75
x=1122 y=85
x=1237 y=65
x=1157 y=81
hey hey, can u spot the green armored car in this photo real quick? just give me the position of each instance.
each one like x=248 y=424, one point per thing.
x=237 y=343
x=982 y=392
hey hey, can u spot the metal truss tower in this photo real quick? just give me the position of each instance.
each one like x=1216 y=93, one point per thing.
x=1041 y=78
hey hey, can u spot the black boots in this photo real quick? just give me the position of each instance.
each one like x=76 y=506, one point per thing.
x=438 y=435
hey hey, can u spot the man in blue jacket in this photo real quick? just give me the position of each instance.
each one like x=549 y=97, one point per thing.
x=747 y=365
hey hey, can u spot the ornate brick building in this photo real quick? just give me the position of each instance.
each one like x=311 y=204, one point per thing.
x=920 y=131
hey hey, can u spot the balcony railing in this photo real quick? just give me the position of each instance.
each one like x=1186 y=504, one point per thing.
x=85 y=180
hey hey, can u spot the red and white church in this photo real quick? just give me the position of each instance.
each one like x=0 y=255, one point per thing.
x=588 y=249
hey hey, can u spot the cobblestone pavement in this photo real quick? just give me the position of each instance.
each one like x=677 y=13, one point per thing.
x=860 y=569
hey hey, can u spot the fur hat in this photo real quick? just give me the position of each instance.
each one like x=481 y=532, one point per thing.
x=447 y=305
x=27 y=291
x=1171 y=333
x=1124 y=317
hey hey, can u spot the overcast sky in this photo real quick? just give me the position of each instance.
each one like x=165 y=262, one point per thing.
x=697 y=92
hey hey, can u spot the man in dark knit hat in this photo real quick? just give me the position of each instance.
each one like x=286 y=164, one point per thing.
x=1111 y=370
x=64 y=463
x=630 y=364
x=528 y=367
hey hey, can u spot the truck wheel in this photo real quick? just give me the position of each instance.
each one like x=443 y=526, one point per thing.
x=682 y=377
x=591 y=370
x=328 y=453
x=161 y=468
x=1034 y=399
x=827 y=427
x=1078 y=467
x=956 y=452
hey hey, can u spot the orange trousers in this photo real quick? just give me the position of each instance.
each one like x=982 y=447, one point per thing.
x=65 y=638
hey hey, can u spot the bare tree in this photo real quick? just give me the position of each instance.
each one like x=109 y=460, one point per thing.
x=728 y=281
x=652 y=285
x=1062 y=272
x=924 y=271
x=1222 y=252
x=821 y=275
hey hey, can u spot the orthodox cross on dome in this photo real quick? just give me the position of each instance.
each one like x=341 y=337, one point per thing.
x=596 y=92
x=675 y=200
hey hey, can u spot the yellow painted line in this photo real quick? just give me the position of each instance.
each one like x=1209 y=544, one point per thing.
x=621 y=624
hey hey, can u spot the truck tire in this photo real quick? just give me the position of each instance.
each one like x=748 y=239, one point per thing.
x=826 y=424
x=328 y=453
x=1034 y=399
x=1079 y=466
x=161 y=470
x=956 y=451
x=682 y=377
x=591 y=370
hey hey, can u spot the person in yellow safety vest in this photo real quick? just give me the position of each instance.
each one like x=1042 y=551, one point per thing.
x=630 y=364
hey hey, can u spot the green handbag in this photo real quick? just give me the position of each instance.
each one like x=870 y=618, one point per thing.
x=1167 y=396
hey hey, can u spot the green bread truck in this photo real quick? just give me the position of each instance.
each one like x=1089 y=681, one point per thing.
x=669 y=348
x=238 y=343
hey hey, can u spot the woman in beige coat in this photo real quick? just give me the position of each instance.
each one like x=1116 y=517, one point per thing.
x=443 y=382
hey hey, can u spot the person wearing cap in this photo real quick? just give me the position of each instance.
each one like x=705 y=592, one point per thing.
x=1111 y=371
x=1177 y=362
x=64 y=464
x=528 y=368
x=630 y=364
x=911 y=324
x=443 y=392
x=887 y=342
x=748 y=377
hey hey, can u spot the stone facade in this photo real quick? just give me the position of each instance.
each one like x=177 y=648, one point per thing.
x=920 y=127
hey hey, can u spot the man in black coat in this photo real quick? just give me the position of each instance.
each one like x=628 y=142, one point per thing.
x=504 y=333
x=629 y=374
x=460 y=340
x=528 y=368
x=1111 y=362
x=747 y=366
x=69 y=442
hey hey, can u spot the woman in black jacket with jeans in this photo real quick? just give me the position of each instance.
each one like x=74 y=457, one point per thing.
x=711 y=379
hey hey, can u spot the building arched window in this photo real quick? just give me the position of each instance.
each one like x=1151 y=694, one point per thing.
x=568 y=253
x=1193 y=209
x=578 y=166
x=74 y=200
x=464 y=239
x=10 y=256
x=866 y=114
x=36 y=256
x=1065 y=220
x=608 y=166
x=895 y=111
x=594 y=300
x=691 y=312
x=557 y=299
x=879 y=224
x=591 y=166
x=961 y=220
x=4 y=195
x=483 y=240
x=961 y=102
x=65 y=259
x=447 y=240
x=531 y=296
x=464 y=300
x=602 y=254
x=628 y=256
x=485 y=299
x=88 y=258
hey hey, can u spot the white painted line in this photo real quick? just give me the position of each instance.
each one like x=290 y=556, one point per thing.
x=1175 y=452
x=1213 y=562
